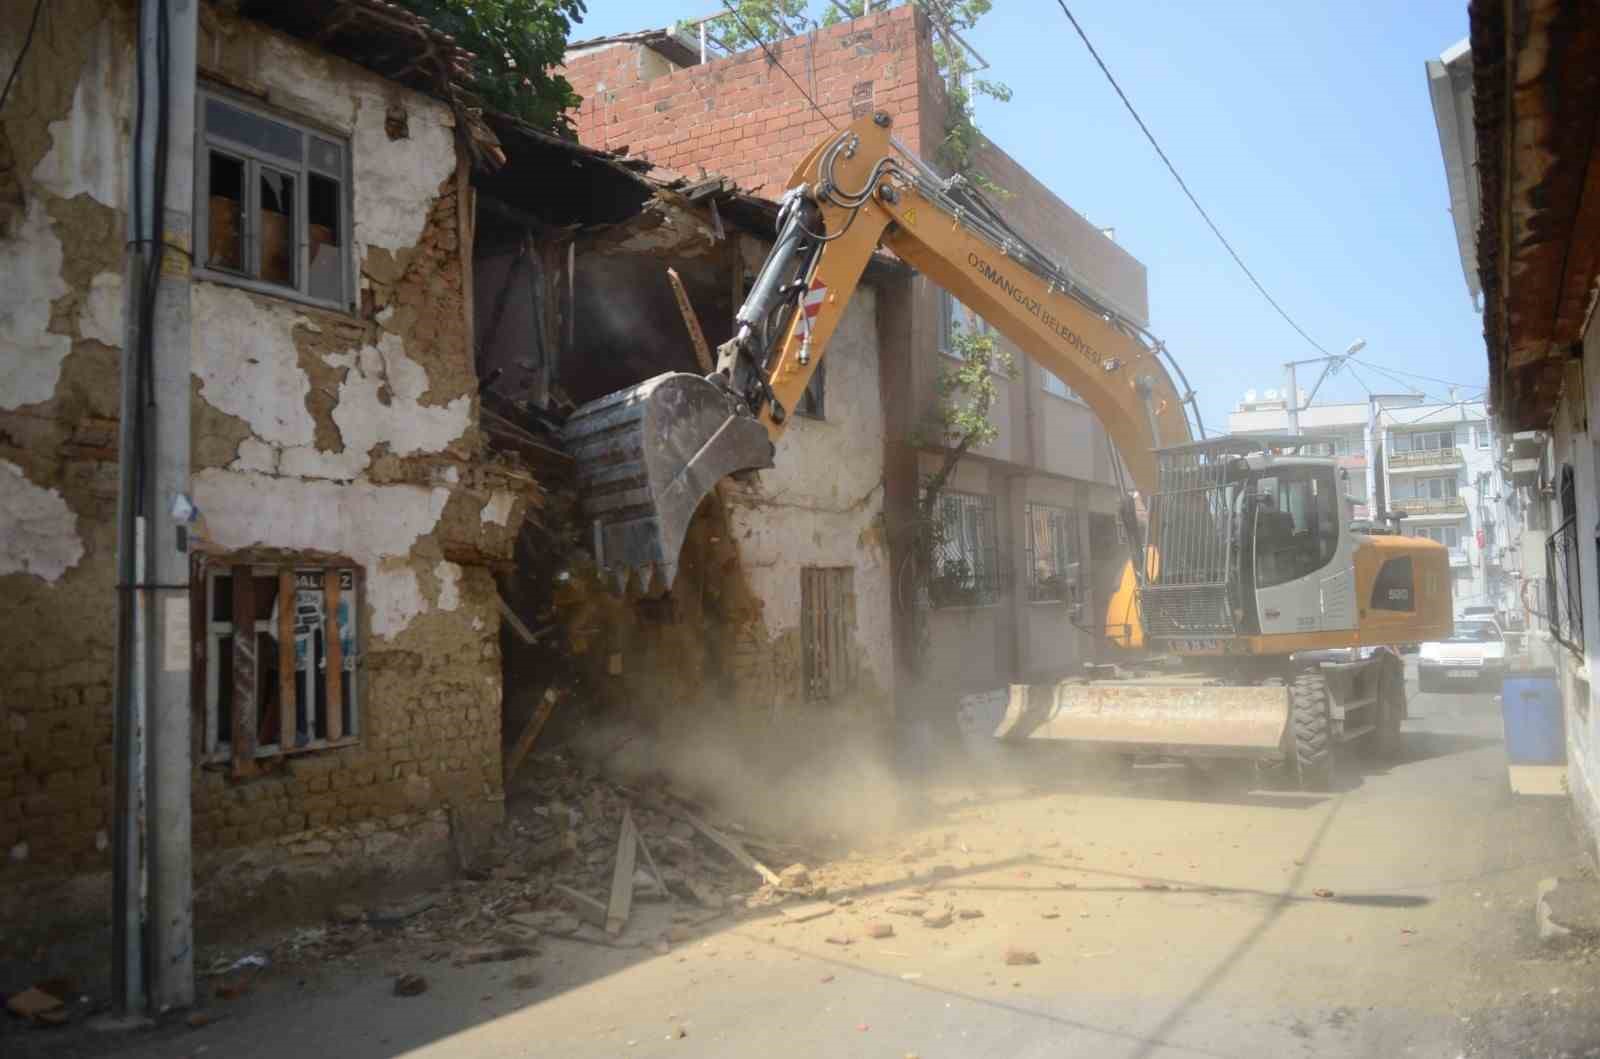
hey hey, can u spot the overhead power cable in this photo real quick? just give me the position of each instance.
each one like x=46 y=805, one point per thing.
x=1148 y=135
x=753 y=35
x=27 y=42
x=1425 y=378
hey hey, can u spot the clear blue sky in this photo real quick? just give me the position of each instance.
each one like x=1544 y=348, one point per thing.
x=1304 y=129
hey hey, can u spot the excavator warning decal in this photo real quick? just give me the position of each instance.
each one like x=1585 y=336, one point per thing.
x=812 y=304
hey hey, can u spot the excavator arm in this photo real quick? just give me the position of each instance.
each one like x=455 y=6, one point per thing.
x=648 y=455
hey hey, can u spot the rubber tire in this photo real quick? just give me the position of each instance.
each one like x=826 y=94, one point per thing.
x=1311 y=729
x=1392 y=708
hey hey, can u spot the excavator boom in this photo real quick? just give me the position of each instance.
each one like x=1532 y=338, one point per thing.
x=1244 y=564
x=644 y=467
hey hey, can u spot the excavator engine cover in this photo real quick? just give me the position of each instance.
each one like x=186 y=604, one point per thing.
x=646 y=456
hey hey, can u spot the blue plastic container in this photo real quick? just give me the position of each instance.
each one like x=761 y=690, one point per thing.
x=1530 y=703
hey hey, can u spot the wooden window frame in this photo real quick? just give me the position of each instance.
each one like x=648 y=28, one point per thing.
x=827 y=621
x=243 y=745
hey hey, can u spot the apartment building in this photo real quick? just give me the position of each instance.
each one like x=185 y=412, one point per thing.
x=1435 y=464
x=1029 y=547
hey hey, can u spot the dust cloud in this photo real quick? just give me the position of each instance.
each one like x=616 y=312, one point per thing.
x=801 y=776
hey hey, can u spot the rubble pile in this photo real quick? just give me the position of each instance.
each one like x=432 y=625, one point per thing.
x=552 y=871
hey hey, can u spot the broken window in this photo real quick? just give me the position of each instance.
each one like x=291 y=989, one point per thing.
x=1052 y=554
x=271 y=204
x=827 y=605
x=279 y=680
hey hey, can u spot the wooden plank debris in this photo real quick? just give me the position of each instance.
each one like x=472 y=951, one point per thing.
x=523 y=632
x=622 y=877
x=733 y=849
x=530 y=733
x=702 y=348
x=585 y=907
x=288 y=679
x=333 y=653
x=245 y=701
x=661 y=882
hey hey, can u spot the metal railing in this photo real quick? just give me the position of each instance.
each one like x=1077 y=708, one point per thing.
x=967 y=568
x=1446 y=505
x=1426 y=458
x=1563 y=586
x=1188 y=594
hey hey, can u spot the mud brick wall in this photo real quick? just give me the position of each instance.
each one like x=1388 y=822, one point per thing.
x=348 y=436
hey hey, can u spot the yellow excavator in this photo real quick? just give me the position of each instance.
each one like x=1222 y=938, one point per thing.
x=1253 y=621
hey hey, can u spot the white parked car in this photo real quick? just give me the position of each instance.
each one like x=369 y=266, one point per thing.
x=1473 y=657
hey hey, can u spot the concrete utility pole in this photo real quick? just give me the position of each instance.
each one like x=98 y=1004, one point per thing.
x=1374 y=472
x=152 y=918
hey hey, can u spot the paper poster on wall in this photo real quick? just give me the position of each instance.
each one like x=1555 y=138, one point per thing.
x=310 y=615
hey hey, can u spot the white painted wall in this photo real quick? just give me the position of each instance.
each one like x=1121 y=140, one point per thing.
x=281 y=490
x=821 y=504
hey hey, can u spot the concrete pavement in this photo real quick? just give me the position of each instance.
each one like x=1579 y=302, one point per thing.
x=1393 y=917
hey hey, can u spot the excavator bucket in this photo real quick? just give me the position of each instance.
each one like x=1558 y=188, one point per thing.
x=1171 y=718
x=645 y=458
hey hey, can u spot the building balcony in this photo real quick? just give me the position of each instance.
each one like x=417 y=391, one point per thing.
x=1426 y=460
x=1449 y=505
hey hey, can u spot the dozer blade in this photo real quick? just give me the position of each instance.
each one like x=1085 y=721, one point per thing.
x=646 y=456
x=1169 y=719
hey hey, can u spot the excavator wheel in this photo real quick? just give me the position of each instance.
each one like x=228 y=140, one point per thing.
x=1311 y=731
x=1391 y=707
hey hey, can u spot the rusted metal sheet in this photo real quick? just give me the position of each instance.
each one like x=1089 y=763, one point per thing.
x=1179 y=718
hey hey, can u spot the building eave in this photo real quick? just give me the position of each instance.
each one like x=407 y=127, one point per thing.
x=1536 y=104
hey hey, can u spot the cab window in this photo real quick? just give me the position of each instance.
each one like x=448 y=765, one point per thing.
x=1296 y=524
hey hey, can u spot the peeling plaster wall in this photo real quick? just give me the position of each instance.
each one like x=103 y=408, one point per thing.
x=821 y=505
x=349 y=435
x=38 y=531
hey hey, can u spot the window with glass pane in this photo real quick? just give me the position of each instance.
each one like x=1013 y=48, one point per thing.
x=276 y=203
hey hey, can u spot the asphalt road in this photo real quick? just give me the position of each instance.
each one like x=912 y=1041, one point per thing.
x=1391 y=918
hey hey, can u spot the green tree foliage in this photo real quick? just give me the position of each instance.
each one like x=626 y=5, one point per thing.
x=966 y=394
x=517 y=43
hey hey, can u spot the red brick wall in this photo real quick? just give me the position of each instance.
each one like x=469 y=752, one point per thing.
x=742 y=117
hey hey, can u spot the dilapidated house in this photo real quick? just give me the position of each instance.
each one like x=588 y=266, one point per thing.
x=343 y=626
x=783 y=594
x=395 y=297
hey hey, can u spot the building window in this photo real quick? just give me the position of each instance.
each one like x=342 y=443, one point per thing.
x=1449 y=536
x=966 y=559
x=277 y=681
x=1054 y=386
x=1480 y=435
x=827 y=618
x=811 y=401
x=954 y=319
x=1423 y=440
x=1052 y=546
x=272 y=203
x=1426 y=488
